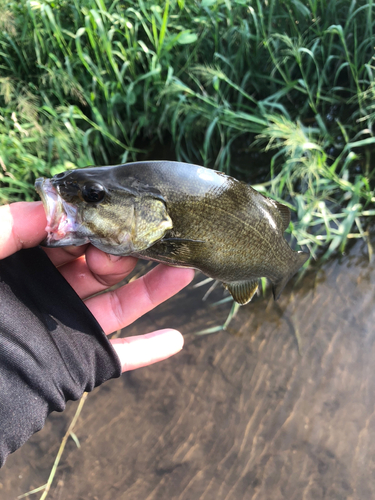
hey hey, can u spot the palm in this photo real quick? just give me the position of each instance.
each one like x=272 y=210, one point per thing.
x=89 y=271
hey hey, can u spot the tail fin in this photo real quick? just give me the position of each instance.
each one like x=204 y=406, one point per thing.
x=300 y=259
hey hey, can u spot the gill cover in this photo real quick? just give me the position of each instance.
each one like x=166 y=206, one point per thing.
x=131 y=227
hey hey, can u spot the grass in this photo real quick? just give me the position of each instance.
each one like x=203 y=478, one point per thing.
x=45 y=488
x=277 y=93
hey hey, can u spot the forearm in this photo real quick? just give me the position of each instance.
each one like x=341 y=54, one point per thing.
x=51 y=347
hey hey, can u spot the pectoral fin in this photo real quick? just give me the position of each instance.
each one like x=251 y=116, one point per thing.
x=175 y=251
x=242 y=291
x=180 y=249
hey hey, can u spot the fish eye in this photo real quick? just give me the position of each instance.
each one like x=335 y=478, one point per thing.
x=93 y=192
x=60 y=176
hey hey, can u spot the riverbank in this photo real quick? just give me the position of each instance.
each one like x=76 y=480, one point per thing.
x=286 y=87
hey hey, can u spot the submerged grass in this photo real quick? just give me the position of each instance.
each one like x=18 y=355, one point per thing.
x=282 y=88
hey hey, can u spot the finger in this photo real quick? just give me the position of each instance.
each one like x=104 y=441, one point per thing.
x=119 y=308
x=21 y=226
x=96 y=271
x=144 y=350
x=64 y=255
x=107 y=268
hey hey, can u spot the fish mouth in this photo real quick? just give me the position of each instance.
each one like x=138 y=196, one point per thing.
x=62 y=217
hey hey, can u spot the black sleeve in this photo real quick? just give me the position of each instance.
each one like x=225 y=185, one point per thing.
x=51 y=347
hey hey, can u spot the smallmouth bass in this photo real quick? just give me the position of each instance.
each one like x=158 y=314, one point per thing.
x=178 y=214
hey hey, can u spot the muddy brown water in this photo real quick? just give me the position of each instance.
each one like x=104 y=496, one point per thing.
x=239 y=414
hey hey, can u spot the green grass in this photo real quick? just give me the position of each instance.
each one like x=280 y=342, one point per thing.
x=279 y=93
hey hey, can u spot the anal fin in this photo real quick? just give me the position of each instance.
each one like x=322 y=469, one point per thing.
x=242 y=291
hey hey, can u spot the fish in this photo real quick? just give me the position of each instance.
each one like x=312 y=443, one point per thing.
x=175 y=213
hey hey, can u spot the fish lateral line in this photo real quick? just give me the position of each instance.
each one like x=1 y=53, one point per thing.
x=231 y=232
x=181 y=240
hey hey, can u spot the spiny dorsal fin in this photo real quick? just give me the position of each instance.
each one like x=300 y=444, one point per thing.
x=285 y=214
x=242 y=291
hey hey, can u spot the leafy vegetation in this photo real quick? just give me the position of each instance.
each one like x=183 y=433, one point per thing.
x=279 y=93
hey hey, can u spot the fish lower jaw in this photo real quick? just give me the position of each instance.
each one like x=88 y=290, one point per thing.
x=58 y=229
x=69 y=239
x=64 y=230
x=63 y=227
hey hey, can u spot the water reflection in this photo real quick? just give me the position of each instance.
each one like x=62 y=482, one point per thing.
x=280 y=406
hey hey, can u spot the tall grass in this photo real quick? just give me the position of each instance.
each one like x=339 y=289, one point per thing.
x=282 y=88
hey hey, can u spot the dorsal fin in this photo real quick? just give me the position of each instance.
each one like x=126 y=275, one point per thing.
x=242 y=291
x=285 y=214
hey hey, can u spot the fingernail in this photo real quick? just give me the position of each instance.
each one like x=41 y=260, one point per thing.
x=114 y=258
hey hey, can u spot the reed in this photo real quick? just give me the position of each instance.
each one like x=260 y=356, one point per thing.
x=276 y=93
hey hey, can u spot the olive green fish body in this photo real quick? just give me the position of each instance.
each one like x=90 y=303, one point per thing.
x=184 y=215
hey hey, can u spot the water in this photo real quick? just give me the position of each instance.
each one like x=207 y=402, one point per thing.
x=281 y=406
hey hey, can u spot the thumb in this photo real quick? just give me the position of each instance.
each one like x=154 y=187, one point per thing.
x=21 y=226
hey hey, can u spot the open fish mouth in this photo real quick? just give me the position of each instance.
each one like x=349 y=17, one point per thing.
x=62 y=217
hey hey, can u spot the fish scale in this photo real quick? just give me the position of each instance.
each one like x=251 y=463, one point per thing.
x=176 y=213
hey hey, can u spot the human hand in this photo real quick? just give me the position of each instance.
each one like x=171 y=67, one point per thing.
x=89 y=271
